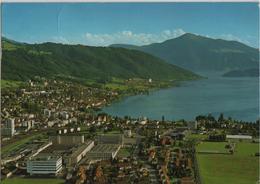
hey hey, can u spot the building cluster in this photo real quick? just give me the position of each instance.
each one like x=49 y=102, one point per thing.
x=158 y=155
x=49 y=103
x=62 y=152
x=60 y=133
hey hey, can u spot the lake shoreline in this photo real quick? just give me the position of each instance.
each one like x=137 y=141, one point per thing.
x=189 y=99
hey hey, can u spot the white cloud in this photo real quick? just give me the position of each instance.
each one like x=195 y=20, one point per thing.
x=233 y=38
x=59 y=39
x=129 y=37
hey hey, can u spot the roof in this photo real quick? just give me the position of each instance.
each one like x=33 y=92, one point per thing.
x=239 y=137
x=46 y=157
x=80 y=149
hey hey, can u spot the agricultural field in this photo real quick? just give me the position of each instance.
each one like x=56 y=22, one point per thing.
x=10 y=84
x=32 y=181
x=240 y=168
x=136 y=84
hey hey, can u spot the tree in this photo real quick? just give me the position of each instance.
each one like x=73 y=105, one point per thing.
x=229 y=119
x=221 y=118
x=211 y=118
x=92 y=129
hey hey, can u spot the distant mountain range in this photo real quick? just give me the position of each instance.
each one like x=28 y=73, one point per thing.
x=21 y=61
x=253 y=72
x=198 y=53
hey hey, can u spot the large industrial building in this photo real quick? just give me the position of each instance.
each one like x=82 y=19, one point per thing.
x=79 y=153
x=104 y=152
x=67 y=139
x=111 y=139
x=44 y=165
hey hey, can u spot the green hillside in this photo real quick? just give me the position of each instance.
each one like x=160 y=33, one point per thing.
x=199 y=53
x=22 y=61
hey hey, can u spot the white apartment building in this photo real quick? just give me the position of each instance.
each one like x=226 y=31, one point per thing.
x=9 y=128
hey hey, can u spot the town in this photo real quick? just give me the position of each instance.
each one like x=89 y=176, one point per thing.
x=55 y=131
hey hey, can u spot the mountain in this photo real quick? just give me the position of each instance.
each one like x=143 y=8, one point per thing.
x=253 y=72
x=21 y=61
x=198 y=53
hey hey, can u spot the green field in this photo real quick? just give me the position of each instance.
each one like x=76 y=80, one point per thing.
x=197 y=136
x=33 y=181
x=212 y=146
x=124 y=152
x=240 y=168
x=17 y=144
x=10 y=84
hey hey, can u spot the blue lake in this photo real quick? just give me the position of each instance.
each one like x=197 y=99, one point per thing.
x=234 y=97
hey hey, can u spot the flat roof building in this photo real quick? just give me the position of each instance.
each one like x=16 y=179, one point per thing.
x=104 y=152
x=239 y=137
x=67 y=139
x=44 y=165
x=79 y=153
x=111 y=139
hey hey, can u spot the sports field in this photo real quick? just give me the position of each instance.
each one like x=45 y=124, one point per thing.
x=240 y=168
x=212 y=146
x=33 y=181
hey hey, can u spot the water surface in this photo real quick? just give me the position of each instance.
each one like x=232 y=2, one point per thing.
x=235 y=97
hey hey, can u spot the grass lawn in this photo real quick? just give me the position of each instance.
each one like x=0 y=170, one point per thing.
x=197 y=136
x=114 y=86
x=124 y=152
x=240 y=168
x=33 y=181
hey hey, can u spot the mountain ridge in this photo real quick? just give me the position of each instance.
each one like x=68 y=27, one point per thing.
x=21 y=61
x=253 y=72
x=197 y=53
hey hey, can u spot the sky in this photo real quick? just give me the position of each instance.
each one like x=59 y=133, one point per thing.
x=102 y=24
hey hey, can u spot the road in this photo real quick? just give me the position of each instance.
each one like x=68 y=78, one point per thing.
x=154 y=178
